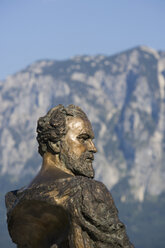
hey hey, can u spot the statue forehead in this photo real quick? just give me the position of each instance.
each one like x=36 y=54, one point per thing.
x=79 y=124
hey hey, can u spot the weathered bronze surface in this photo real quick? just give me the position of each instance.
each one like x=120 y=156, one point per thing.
x=64 y=207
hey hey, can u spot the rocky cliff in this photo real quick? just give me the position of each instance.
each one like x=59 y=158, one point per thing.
x=124 y=97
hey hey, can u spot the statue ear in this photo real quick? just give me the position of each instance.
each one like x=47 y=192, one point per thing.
x=55 y=147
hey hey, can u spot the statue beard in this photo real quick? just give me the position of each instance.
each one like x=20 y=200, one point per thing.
x=81 y=166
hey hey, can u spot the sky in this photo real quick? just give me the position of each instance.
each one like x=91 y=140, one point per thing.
x=32 y=30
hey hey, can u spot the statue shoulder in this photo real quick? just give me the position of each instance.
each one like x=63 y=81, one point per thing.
x=100 y=216
x=12 y=197
x=97 y=191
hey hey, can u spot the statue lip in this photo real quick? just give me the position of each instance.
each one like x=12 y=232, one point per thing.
x=90 y=157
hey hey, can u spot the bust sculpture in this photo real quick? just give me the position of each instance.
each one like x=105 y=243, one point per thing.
x=64 y=207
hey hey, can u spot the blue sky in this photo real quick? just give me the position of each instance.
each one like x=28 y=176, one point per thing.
x=58 y=29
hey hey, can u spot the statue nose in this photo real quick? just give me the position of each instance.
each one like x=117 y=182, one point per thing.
x=92 y=147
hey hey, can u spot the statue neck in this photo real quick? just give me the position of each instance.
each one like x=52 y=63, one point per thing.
x=52 y=168
x=52 y=161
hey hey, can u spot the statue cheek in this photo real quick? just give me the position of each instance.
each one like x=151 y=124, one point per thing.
x=79 y=150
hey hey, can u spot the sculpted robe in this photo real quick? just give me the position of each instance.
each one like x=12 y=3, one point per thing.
x=70 y=212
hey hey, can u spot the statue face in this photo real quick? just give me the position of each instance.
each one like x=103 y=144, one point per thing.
x=77 y=147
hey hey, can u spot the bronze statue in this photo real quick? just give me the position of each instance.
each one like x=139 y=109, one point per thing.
x=64 y=207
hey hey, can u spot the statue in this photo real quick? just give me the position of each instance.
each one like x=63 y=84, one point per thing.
x=64 y=207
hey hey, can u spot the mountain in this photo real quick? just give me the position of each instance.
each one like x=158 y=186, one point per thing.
x=124 y=97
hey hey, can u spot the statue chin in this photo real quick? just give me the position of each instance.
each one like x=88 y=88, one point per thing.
x=83 y=170
x=81 y=166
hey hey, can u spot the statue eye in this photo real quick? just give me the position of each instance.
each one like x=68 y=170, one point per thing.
x=83 y=137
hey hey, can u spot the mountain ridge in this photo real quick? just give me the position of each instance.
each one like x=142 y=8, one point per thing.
x=98 y=86
x=124 y=98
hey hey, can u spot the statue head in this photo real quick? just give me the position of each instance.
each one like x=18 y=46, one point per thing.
x=66 y=131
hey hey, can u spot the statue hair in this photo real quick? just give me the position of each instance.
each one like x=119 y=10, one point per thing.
x=52 y=126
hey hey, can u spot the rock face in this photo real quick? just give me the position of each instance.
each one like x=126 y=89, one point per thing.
x=124 y=98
